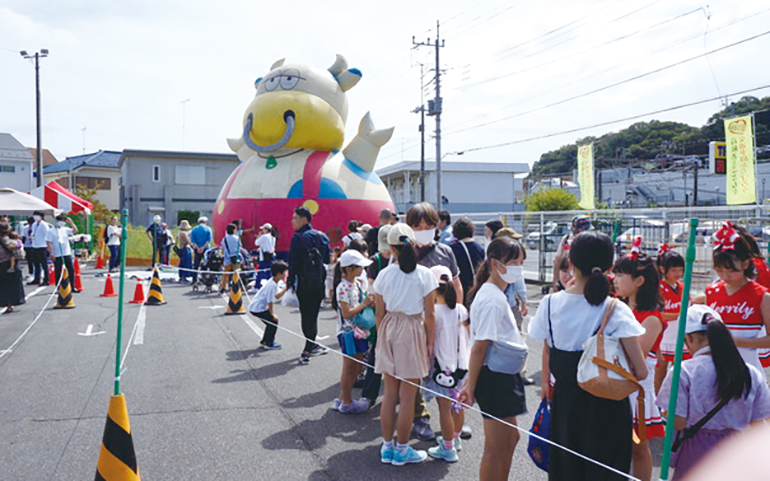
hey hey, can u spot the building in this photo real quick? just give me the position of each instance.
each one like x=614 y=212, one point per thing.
x=16 y=165
x=98 y=170
x=164 y=183
x=467 y=187
x=555 y=183
x=48 y=158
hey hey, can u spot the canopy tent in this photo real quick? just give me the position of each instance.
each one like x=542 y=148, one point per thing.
x=63 y=199
x=13 y=202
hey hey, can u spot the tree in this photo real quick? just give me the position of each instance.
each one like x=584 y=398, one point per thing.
x=551 y=199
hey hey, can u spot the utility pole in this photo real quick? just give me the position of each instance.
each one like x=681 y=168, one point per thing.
x=39 y=161
x=434 y=110
x=421 y=111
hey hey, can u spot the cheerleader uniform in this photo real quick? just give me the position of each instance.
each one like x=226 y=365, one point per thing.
x=656 y=426
x=672 y=302
x=763 y=279
x=741 y=314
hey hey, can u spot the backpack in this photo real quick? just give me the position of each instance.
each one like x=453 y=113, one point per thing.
x=314 y=276
x=105 y=236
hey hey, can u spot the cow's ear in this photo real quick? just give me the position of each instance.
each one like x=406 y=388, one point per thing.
x=278 y=64
x=347 y=78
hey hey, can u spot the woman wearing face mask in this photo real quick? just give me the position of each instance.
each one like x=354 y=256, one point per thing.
x=499 y=394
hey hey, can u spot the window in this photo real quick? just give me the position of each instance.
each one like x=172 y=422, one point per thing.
x=190 y=175
x=97 y=183
x=156 y=173
x=10 y=169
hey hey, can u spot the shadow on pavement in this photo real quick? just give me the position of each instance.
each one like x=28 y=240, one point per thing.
x=313 y=433
x=264 y=372
x=313 y=399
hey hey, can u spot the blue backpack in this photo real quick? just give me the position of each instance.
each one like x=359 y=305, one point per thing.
x=537 y=448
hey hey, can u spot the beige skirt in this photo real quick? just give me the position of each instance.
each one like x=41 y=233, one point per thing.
x=402 y=346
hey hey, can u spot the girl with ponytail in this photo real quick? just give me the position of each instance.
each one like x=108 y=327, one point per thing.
x=596 y=427
x=719 y=393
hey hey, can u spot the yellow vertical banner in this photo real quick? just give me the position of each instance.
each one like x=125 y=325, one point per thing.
x=585 y=168
x=741 y=184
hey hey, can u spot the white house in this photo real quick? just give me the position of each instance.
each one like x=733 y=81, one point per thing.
x=16 y=164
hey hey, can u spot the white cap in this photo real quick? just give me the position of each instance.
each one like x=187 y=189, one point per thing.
x=698 y=317
x=267 y=226
x=441 y=271
x=400 y=234
x=354 y=258
x=202 y=218
x=365 y=228
x=156 y=218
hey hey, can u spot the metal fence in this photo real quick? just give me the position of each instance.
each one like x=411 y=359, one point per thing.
x=543 y=231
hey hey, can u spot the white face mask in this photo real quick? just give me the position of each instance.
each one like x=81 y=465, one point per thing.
x=36 y=217
x=512 y=274
x=424 y=237
x=61 y=223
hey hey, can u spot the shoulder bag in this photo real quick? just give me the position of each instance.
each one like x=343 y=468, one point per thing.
x=688 y=433
x=506 y=357
x=365 y=319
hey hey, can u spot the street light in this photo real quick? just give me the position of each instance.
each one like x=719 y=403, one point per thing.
x=439 y=194
x=37 y=56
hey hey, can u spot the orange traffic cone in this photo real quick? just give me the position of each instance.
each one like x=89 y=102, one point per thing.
x=117 y=459
x=138 y=293
x=78 y=284
x=100 y=262
x=52 y=275
x=76 y=266
x=109 y=290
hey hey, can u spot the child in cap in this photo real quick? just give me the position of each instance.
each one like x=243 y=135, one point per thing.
x=262 y=304
x=349 y=301
x=451 y=350
x=717 y=385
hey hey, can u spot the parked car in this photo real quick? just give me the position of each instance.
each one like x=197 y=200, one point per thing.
x=552 y=234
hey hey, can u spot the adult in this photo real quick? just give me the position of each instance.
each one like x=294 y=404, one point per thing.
x=11 y=286
x=27 y=237
x=39 y=251
x=423 y=219
x=114 y=234
x=308 y=252
x=184 y=250
x=231 y=250
x=165 y=256
x=596 y=427
x=580 y=223
x=468 y=253
x=445 y=227
x=265 y=244
x=58 y=240
x=353 y=233
x=158 y=237
x=490 y=230
x=387 y=217
x=200 y=238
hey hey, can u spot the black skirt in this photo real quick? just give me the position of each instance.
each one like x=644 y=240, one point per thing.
x=598 y=428
x=11 y=286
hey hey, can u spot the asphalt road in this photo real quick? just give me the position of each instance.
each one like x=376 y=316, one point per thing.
x=204 y=402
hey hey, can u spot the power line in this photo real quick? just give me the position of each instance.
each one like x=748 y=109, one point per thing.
x=602 y=124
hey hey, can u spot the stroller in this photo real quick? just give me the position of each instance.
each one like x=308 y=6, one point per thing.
x=212 y=261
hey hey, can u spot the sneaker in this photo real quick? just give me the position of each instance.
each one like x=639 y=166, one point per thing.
x=270 y=347
x=371 y=403
x=304 y=358
x=319 y=350
x=438 y=452
x=386 y=454
x=458 y=443
x=336 y=404
x=466 y=432
x=411 y=456
x=423 y=430
x=356 y=406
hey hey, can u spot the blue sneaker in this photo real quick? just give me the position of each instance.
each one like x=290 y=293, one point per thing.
x=270 y=347
x=386 y=454
x=438 y=452
x=336 y=405
x=411 y=456
x=457 y=442
x=356 y=406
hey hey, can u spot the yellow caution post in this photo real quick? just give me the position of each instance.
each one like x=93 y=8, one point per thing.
x=117 y=460
x=235 y=303
x=64 y=299
x=155 y=297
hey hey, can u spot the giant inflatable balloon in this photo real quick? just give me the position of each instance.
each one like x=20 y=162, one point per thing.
x=291 y=154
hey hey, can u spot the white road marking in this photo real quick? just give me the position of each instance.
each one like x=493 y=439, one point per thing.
x=89 y=332
x=26 y=298
x=4 y=351
x=321 y=338
x=140 y=323
x=253 y=326
x=211 y=307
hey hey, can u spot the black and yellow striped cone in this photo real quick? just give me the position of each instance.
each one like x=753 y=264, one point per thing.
x=64 y=300
x=155 y=296
x=117 y=460
x=235 y=303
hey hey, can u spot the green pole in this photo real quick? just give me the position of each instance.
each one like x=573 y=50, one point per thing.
x=690 y=260
x=123 y=249
x=616 y=231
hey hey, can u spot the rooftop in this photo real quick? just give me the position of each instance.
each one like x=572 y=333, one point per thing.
x=170 y=154
x=48 y=157
x=103 y=158
x=12 y=149
x=430 y=166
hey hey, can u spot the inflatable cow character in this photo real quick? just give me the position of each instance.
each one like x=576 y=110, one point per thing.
x=291 y=154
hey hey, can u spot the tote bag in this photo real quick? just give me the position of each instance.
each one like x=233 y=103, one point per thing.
x=537 y=448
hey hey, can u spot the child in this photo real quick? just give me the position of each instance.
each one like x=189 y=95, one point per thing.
x=743 y=304
x=671 y=268
x=451 y=350
x=329 y=284
x=564 y=274
x=717 y=382
x=405 y=303
x=762 y=278
x=19 y=248
x=636 y=281
x=349 y=302
x=262 y=304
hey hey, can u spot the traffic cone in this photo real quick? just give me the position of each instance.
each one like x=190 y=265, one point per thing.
x=64 y=300
x=76 y=266
x=100 y=262
x=155 y=297
x=52 y=274
x=78 y=283
x=138 y=293
x=235 y=303
x=109 y=290
x=117 y=459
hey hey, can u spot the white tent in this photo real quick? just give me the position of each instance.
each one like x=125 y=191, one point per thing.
x=13 y=202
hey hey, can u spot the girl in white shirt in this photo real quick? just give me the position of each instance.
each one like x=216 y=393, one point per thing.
x=265 y=243
x=405 y=300
x=499 y=394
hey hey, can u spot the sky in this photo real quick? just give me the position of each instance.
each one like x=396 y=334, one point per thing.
x=178 y=75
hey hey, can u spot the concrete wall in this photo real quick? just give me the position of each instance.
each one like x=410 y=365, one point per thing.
x=21 y=177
